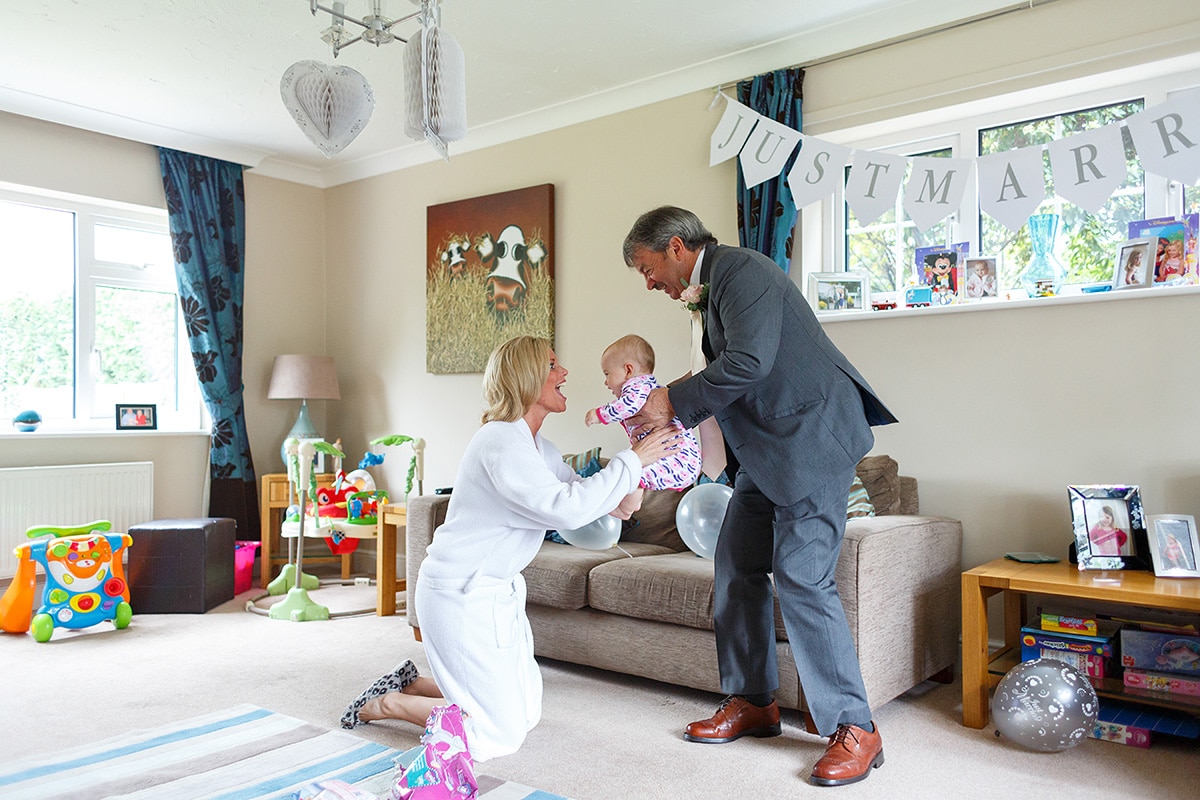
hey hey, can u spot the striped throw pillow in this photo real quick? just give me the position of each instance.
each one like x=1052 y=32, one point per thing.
x=859 y=502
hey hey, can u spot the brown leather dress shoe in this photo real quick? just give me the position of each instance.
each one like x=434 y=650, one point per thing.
x=736 y=717
x=851 y=755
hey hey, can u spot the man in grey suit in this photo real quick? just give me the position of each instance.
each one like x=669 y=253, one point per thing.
x=796 y=417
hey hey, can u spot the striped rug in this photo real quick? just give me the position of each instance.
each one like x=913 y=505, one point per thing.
x=241 y=753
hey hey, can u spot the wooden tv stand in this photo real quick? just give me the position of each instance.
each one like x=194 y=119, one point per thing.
x=982 y=669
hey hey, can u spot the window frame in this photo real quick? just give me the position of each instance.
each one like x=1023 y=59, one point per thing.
x=824 y=221
x=92 y=273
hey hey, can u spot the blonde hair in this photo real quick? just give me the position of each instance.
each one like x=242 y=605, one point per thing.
x=513 y=378
x=633 y=348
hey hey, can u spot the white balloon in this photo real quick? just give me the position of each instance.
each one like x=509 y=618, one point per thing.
x=599 y=534
x=699 y=516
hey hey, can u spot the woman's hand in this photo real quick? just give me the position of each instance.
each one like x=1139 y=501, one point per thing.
x=657 y=444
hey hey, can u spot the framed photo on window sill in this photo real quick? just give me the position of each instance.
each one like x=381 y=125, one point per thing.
x=839 y=291
x=1133 y=267
x=137 y=417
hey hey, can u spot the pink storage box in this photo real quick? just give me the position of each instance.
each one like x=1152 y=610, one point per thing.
x=243 y=565
x=1162 y=682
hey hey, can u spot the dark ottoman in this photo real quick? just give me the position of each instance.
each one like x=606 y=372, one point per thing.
x=181 y=566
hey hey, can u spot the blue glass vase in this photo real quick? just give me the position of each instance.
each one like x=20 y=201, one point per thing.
x=1044 y=270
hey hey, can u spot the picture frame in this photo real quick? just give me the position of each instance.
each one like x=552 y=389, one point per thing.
x=489 y=275
x=1109 y=528
x=137 y=417
x=1174 y=545
x=982 y=278
x=943 y=269
x=1133 y=265
x=839 y=291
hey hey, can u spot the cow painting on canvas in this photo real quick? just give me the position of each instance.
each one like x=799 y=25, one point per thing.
x=489 y=275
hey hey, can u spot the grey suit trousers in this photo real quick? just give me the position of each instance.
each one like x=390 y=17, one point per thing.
x=799 y=544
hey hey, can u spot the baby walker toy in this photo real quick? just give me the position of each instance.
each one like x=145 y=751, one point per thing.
x=85 y=583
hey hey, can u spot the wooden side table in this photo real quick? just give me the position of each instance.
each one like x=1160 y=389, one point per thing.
x=1016 y=580
x=392 y=520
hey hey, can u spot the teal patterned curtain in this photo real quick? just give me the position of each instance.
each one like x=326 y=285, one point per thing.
x=767 y=213
x=207 y=209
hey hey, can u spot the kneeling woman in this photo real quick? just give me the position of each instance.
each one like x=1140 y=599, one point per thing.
x=512 y=486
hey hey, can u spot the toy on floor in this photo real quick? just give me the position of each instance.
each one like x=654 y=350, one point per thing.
x=85 y=583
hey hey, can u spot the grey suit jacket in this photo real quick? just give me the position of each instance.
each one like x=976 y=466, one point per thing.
x=792 y=408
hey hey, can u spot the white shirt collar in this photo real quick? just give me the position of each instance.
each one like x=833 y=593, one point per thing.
x=695 y=279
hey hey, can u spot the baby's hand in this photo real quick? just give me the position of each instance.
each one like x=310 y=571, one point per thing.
x=592 y=418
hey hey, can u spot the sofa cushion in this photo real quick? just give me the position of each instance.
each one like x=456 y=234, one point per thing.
x=881 y=477
x=675 y=588
x=558 y=574
x=656 y=520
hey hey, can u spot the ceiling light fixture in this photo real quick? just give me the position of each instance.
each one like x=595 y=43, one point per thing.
x=376 y=28
x=333 y=104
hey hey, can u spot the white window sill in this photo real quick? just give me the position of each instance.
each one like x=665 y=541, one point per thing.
x=83 y=433
x=997 y=305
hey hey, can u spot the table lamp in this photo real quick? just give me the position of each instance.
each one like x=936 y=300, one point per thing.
x=303 y=378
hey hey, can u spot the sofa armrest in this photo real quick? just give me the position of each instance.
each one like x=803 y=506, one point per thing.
x=900 y=578
x=424 y=514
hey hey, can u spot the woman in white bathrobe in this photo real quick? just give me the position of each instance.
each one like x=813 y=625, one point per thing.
x=512 y=486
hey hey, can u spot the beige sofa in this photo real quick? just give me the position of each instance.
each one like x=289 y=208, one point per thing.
x=648 y=611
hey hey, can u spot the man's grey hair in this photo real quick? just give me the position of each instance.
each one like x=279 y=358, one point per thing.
x=654 y=229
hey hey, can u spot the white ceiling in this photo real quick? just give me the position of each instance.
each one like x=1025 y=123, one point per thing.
x=203 y=75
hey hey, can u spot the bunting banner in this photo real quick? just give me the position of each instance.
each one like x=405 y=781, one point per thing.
x=874 y=180
x=1011 y=185
x=935 y=188
x=1086 y=167
x=766 y=151
x=817 y=170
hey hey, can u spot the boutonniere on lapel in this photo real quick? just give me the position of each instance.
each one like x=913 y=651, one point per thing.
x=695 y=296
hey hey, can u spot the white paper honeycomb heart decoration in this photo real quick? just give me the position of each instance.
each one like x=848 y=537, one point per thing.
x=330 y=104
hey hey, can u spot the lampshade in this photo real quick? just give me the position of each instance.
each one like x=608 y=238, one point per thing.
x=297 y=377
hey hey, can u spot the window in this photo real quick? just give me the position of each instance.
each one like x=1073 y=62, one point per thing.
x=89 y=314
x=1084 y=242
x=886 y=249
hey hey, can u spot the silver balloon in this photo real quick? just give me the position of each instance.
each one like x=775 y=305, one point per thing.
x=699 y=516
x=599 y=534
x=1045 y=705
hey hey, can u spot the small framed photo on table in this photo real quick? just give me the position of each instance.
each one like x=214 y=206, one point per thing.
x=1133 y=267
x=839 y=291
x=1174 y=546
x=1109 y=529
x=137 y=417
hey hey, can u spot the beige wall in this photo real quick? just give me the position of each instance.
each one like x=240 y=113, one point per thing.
x=1000 y=409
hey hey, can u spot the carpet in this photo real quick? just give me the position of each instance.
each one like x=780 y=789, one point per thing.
x=240 y=753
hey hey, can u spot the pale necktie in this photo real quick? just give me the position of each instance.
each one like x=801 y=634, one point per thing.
x=712 y=443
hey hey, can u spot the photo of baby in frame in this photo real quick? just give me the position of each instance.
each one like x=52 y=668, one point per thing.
x=1109 y=529
x=1174 y=545
x=981 y=277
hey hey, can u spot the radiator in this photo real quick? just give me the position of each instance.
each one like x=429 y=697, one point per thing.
x=75 y=494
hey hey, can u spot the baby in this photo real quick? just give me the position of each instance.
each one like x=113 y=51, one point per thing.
x=628 y=364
